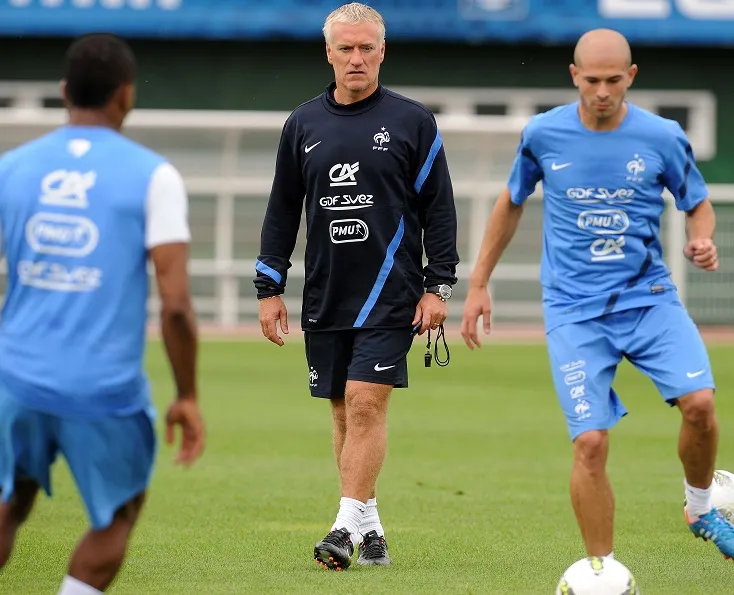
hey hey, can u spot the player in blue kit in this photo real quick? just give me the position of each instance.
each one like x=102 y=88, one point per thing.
x=607 y=293
x=82 y=209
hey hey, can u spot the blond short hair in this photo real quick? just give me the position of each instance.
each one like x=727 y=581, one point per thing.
x=353 y=14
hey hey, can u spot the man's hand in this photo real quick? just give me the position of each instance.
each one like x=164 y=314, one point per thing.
x=184 y=412
x=478 y=303
x=272 y=311
x=431 y=312
x=703 y=254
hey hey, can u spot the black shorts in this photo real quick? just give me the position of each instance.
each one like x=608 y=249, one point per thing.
x=368 y=355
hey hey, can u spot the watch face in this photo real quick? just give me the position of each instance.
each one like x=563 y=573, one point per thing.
x=444 y=291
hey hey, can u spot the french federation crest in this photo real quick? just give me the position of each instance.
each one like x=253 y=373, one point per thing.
x=380 y=139
x=635 y=168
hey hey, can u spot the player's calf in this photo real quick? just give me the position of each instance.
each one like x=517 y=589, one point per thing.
x=591 y=493
x=14 y=513
x=99 y=556
x=699 y=436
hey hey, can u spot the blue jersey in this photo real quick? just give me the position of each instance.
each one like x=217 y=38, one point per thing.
x=74 y=216
x=602 y=207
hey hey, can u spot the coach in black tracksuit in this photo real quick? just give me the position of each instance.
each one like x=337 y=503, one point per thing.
x=377 y=189
x=375 y=179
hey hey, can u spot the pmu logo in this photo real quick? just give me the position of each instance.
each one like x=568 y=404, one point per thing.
x=342 y=174
x=63 y=235
x=344 y=231
x=604 y=222
x=574 y=378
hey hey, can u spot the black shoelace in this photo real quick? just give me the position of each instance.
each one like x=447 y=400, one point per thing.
x=374 y=548
x=338 y=537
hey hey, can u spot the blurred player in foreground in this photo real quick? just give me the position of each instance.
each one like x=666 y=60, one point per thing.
x=81 y=211
x=607 y=293
x=373 y=171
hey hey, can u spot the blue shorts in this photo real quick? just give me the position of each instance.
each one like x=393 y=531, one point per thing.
x=110 y=458
x=661 y=341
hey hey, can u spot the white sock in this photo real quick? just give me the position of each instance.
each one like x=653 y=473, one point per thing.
x=698 y=501
x=72 y=586
x=351 y=513
x=371 y=520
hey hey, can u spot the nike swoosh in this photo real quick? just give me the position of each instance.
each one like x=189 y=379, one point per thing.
x=307 y=149
x=555 y=167
x=379 y=368
x=694 y=374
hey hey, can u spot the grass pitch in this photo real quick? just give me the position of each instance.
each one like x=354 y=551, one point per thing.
x=474 y=493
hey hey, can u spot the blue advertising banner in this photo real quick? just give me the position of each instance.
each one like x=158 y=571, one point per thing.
x=690 y=22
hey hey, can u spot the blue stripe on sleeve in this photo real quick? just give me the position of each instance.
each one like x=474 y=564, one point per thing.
x=683 y=190
x=382 y=275
x=426 y=169
x=270 y=272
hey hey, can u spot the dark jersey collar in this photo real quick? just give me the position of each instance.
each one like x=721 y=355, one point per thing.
x=358 y=107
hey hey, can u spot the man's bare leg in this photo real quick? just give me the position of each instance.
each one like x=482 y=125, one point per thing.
x=359 y=462
x=339 y=416
x=698 y=441
x=697 y=446
x=591 y=492
x=365 y=444
x=100 y=554
x=13 y=514
x=373 y=547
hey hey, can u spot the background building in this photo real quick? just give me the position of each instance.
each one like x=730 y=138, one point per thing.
x=484 y=66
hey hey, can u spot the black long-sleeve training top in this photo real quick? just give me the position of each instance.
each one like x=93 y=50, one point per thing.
x=377 y=190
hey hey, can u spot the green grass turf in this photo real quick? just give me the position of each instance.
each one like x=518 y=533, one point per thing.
x=473 y=495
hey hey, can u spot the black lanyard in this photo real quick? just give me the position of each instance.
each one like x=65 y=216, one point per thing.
x=428 y=356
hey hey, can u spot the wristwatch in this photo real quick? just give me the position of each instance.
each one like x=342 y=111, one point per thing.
x=442 y=291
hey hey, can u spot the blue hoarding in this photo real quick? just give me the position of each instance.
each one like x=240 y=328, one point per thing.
x=690 y=22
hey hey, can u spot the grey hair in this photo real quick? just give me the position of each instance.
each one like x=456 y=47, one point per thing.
x=353 y=14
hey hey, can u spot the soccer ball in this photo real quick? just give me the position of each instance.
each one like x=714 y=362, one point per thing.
x=597 y=576
x=722 y=494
